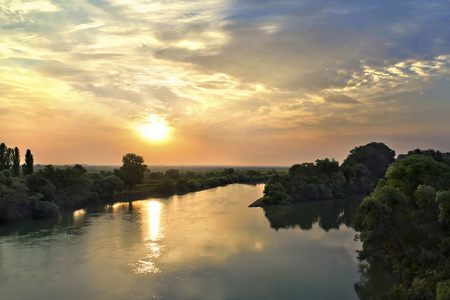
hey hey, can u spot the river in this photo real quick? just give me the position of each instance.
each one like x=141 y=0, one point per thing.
x=203 y=245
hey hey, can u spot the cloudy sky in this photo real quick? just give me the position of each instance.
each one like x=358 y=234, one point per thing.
x=242 y=82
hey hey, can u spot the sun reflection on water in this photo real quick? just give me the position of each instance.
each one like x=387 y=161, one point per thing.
x=79 y=216
x=152 y=221
x=152 y=231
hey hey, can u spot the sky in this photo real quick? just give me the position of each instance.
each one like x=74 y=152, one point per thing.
x=242 y=82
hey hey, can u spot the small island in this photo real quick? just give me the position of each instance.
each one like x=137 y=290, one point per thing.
x=326 y=179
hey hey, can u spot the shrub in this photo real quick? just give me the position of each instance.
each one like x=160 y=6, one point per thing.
x=45 y=209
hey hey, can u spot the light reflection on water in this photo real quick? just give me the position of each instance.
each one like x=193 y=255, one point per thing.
x=78 y=216
x=152 y=232
x=204 y=245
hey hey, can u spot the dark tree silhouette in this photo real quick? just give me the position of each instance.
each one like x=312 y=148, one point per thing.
x=3 y=149
x=27 y=167
x=132 y=171
x=6 y=157
x=16 y=163
x=9 y=158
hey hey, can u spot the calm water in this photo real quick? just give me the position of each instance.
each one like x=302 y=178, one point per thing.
x=204 y=245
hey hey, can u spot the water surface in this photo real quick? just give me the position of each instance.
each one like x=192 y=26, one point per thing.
x=204 y=245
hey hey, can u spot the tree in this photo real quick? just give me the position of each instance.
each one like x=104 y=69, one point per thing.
x=132 y=171
x=365 y=165
x=3 y=149
x=27 y=167
x=405 y=225
x=16 y=163
x=110 y=185
x=327 y=166
x=172 y=173
x=9 y=158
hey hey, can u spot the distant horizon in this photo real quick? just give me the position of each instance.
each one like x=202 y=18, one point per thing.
x=226 y=165
x=148 y=166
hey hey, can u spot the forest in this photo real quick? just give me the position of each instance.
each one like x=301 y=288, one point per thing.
x=403 y=222
x=404 y=226
x=29 y=193
x=326 y=179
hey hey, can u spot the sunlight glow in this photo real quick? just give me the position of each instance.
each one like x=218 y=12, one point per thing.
x=191 y=45
x=152 y=235
x=153 y=219
x=78 y=216
x=154 y=129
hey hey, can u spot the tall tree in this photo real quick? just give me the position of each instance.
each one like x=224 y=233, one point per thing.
x=365 y=165
x=27 y=167
x=3 y=149
x=9 y=158
x=132 y=171
x=16 y=163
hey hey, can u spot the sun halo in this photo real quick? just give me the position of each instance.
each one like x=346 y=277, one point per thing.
x=154 y=130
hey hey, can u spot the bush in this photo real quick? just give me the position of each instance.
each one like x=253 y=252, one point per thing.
x=45 y=209
x=443 y=290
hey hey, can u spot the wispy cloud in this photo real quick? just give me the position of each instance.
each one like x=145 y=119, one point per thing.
x=248 y=72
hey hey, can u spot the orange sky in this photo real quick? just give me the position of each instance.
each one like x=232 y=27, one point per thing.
x=235 y=82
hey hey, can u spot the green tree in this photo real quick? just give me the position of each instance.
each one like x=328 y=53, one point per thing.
x=132 y=171
x=16 y=163
x=327 y=166
x=405 y=225
x=110 y=185
x=365 y=165
x=172 y=173
x=167 y=186
x=27 y=167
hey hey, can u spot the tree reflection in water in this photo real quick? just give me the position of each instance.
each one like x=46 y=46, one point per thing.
x=373 y=282
x=329 y=214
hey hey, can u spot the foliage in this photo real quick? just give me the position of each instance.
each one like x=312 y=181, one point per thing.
x=172 y=174
x=132 y=171
x=435 y=154
x=16 y=162
x=404 y=225
x=27 y=167
x=40 y=194
x=325 y=179
x=45 y=209
x=6 y=157
x=175 y=181
x=365 y=165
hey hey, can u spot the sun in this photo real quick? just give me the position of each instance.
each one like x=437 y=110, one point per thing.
x=154 y=129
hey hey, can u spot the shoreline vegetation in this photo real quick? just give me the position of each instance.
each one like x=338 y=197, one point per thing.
x=403 y=222
x=326 y=179
x=42 y=191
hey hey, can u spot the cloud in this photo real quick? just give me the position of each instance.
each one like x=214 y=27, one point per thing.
x=244 y=71
x=340 y=99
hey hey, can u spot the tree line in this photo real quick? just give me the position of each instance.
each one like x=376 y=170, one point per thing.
x=403 y=223
x=10 y=160
x=326 y=179
x=42 y=193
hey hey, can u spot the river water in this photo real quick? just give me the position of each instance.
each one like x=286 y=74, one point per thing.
x=203 y=245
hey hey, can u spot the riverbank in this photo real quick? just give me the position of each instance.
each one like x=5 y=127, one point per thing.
x=50 y=190
x=140 y=192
